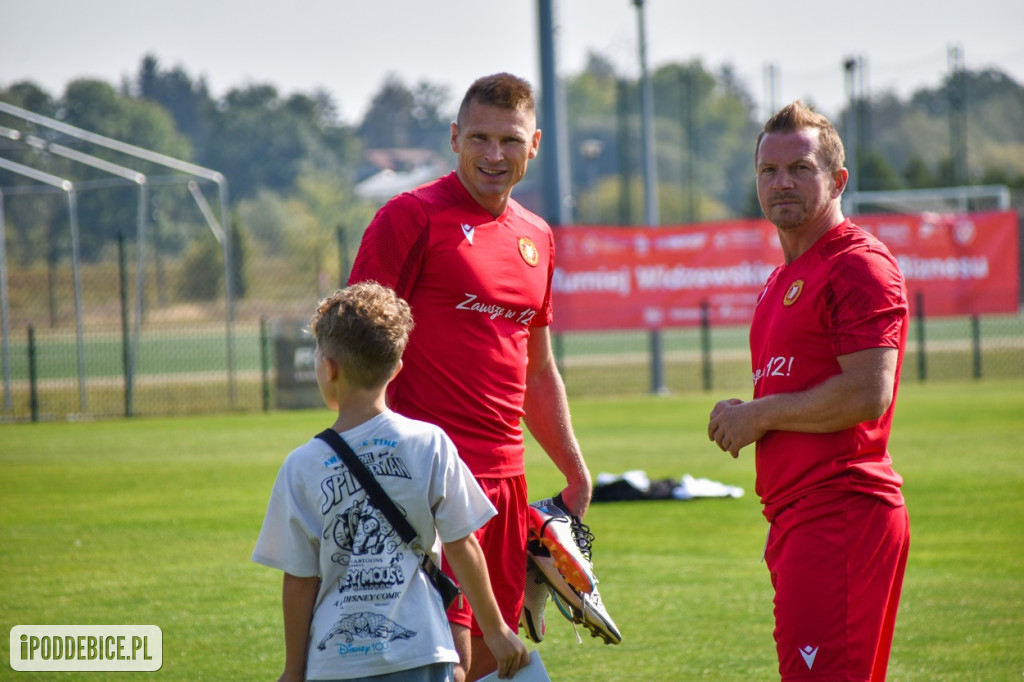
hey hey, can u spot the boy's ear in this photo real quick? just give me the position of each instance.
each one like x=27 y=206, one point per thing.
x=394 y=372
x=332 y=367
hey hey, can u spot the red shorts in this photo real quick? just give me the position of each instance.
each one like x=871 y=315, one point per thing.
x=837 y=562
x=503 y=540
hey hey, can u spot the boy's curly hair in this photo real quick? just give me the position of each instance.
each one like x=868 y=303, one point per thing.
x=364 y=328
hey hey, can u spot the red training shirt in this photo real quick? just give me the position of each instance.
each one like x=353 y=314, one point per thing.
x=476 y=284
x=845 y=294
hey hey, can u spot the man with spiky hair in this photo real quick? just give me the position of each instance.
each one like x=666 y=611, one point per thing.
x=476 y=267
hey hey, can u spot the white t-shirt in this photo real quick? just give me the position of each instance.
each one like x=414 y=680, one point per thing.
x=375 y=611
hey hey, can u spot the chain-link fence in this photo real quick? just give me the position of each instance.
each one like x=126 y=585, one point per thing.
x=938 y=349
x=77 y=344
x=95 y=326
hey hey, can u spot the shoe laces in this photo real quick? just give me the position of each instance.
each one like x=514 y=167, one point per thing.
x=581 y=532
x=583 y=537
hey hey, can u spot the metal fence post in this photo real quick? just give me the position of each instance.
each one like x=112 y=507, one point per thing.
x=33 y=384
x=976 y=345
x=264 y=363
x=657 y=364
x=126 y=354
x=922 y=360
x=705 y=343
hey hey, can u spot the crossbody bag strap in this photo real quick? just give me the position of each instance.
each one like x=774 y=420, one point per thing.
x=441 y=582
x=380 y=499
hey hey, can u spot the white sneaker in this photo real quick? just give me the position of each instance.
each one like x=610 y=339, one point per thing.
x=559 y=545
x=535 y=598
x=566 y=540
x=587 y=610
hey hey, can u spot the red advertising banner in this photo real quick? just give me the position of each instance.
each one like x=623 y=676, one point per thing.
x=650 y=278
x=960 y=264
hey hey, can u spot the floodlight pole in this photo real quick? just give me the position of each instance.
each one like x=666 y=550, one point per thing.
x=852 y=141
x=770 y=90
x=647 y=120
x=69 y=189
x=169 y=162
x=555 y=158
x=957 y=94
x=650 y=184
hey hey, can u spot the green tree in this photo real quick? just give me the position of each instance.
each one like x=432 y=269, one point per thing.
x=918 y=175
x=400 y=116
x=703 y=130
x=97 y=107
x=259 y=140
x=389 y=120
x=37 y=223
x=594 y=145
x=187 y=101
x=331 y=207
x=202 y=271
x=918 y=133
x=875 y=172
x=107 y=205
x=28 y=95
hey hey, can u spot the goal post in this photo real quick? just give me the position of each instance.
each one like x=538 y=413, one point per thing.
x=937 y=200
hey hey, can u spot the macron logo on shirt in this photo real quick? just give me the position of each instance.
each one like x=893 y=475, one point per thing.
x=468 y=231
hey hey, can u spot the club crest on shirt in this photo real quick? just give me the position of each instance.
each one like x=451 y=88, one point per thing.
x=528 y=250
x=793 y=293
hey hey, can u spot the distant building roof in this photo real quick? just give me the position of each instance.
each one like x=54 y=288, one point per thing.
x=402 y=157
x=393 y=171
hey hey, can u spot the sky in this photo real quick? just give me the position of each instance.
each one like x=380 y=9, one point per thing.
x=348 y=48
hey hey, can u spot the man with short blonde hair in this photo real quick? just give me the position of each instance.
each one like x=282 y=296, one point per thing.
x=827 y=343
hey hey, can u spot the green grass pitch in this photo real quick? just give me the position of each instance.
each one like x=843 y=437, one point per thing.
x=151 y=521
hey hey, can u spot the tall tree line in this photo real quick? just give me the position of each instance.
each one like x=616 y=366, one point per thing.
x=288 y=154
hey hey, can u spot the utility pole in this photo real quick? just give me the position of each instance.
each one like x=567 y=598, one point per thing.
x=851 y=139
x=623 y=99
x=647 y=124
x=688 y=172
x=650 y=188
x=554 y=159
x=770 y=90
x=957 y=116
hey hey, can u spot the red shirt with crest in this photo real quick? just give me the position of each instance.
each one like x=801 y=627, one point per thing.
x=845 y=294
x=476 y=285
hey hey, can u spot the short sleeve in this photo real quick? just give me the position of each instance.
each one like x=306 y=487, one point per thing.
x=459 y=504
x=547 y=315
x=290 y=537
x=393 y=245
x=869 y=304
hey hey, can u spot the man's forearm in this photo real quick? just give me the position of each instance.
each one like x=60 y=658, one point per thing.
x=546 y=409
x=547 y=418
x=862 y=392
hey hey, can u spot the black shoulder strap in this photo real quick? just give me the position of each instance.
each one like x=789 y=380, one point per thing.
x=370 y=485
